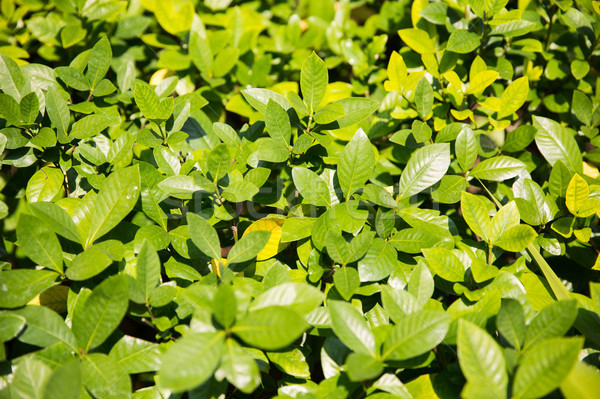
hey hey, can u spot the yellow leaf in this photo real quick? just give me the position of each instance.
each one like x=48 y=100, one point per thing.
x=499 y=125
x=418 y=40
x=174 y=17
x=422 y=387
x=513 y=97
x=461 y=115
x=491 y=103
x=415 y=10
x=396 y=72
x=274 y=245
x=577 y=200
x=412 y=80
x=477 y=66
x=481 y=81
x=597 y=264
x=54 y=298
x=453 y=79
x=590 y=171
x=159 y=76
x=431 y=64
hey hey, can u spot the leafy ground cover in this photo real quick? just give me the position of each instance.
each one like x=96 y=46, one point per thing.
x=310 y=199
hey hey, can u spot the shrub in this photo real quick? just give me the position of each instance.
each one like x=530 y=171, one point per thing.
x=305 y=200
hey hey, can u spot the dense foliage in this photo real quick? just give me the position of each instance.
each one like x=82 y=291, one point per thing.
x=312 y=199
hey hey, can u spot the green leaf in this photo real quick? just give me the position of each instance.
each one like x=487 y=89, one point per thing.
x=227 y=134
x=104 y=378
x=58 y=111
x=345 y=112
x=449 y=189
x=239 y=367
x=117 y=197
x=151 y=107
x=580 y=68
x=201 y=54
x=413 y=240
x=361 y=367
x=481 y=362
x=248 y=246
x=89 y=263
x=101 y=313
x=424 y=98
x=73 y=77
x=182 y=187
x=510 y=322
x=513 y=97
x=259 y=98
x=277 y=123
x=204 y=236
x=224 y=305
x=557 y=144
x=420 y=284
x=313 y=189
x=300 y=297
x=134 y=355
x=445 y=264
x=498 y=168
x=10 y=326
x=351 y=328
x=583 y=382
x=240 y=191
x=505 y=219
x=98 y=61
x=356 y=163
x=29 y=108
x=272 y=150
x=219 y=160
x=546 y=365
x=581 y=108
x=313 y=81
x=64 y=382
x=12 y=81
x=551 y=322
x=10 y=110
x=44 y=327
x=89 y=126
x=476 y=215
x=29 y=378
x=536 y=198
x=270 y=328
x=517 y=238
x=292 y=362
x=147 y=270
x=462 y=41
x=415 y=334
x=379 y=261
x=467 y=148
x=39 y=242
x=174 y=17
x=425 y=167
x=346 y=281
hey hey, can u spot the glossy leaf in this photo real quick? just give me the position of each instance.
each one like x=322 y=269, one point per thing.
x=270 y=328
x=356 y=163
x=426 y=167
x=481 y=362
x=101 y=313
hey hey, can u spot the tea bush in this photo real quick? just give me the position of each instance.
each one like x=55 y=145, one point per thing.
x=312 y=199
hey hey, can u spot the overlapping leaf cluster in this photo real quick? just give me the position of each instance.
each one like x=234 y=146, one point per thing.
x=309 y=199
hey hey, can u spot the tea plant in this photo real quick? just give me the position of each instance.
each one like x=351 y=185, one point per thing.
x=309 y=199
